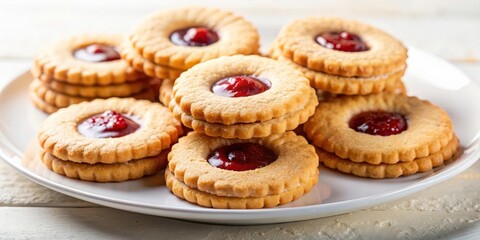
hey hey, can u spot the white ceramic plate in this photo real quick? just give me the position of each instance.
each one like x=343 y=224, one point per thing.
x=427 y=77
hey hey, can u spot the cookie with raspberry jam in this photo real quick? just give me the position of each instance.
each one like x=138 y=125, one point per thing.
x=85 y=60
x=247 y=96
x=234 y=173
x=109 y=131
x=379 y=128
x=341 y=47
x=183 y=37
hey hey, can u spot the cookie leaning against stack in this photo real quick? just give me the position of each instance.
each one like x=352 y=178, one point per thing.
x=109 y=140
x=381 y=135
x=82 y=68
x=241 y=154
x=342 y=56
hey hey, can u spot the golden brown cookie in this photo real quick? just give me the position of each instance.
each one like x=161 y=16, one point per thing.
x=204 y=199
x=384 y=170
x=40 y=104
x=162 y=37
x=136 y=60
x=63 y=134
x=166 y=91
x=247 y=130
x=345 y=85
x=295 y=165
x=67 y=60
x=101 y=172
x=289 y=91
x=60 y=100
x=301 y=42
x=418 y=128
x=96 y=91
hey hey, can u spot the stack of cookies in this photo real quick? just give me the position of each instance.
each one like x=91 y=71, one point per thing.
x=109 y=140
x=168 y=42
x=83 y=68
x=342 y=56
x=240 y=153
x=381 y=135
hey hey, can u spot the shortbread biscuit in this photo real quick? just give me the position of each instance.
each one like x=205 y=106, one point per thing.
x=40 y=104
x=297 y=42
x=101 y=172
x=166 y=91
x=57 y=62
x=59 y=136
x=210 y=200
x=248 y=130
x=94 y=91
x=61 y=100
x=384 y=170
x=429 y=129
x=345 y=85
x=289 y=91
x=296 y=164
x=151 y=38
x=147 y=67
x=398 y=88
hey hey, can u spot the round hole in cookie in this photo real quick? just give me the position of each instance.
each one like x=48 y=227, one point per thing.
x=241 y=86
x=108 y=124
x=241 y=156
x=194 y=37
x=97 y=52
x=342 y=41
x=378 y=123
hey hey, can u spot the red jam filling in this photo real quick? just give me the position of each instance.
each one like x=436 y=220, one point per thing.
x=379 y=123
x=240 y=86
x=194 y=37
x=241 y=157
x=342 y=41
x=97 y=53
x=109 y=124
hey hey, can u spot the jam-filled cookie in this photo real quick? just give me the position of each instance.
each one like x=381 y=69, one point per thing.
x=381 y=128
x=234 y=173
x=177 y=39
x=107 y=134
x=242 y=97
x=341 y=47
x=83 y=68
x=85 y=60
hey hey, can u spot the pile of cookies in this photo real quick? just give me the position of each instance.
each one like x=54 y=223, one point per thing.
x=109 y=140
x=83 y=68
x=242 y=108
x=342 y=56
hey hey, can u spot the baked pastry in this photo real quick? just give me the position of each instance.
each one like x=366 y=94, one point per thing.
x=166 y=91
x=108 y=140
x=380 y=129
x=234 y=173
x=82 y=68
x=242 y=97
x=341 y=56
x=168 y=42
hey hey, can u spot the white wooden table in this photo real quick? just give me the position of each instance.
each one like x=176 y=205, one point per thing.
x=449 y=29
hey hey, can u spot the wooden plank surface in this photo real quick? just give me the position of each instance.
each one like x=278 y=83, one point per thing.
x=445 y=28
